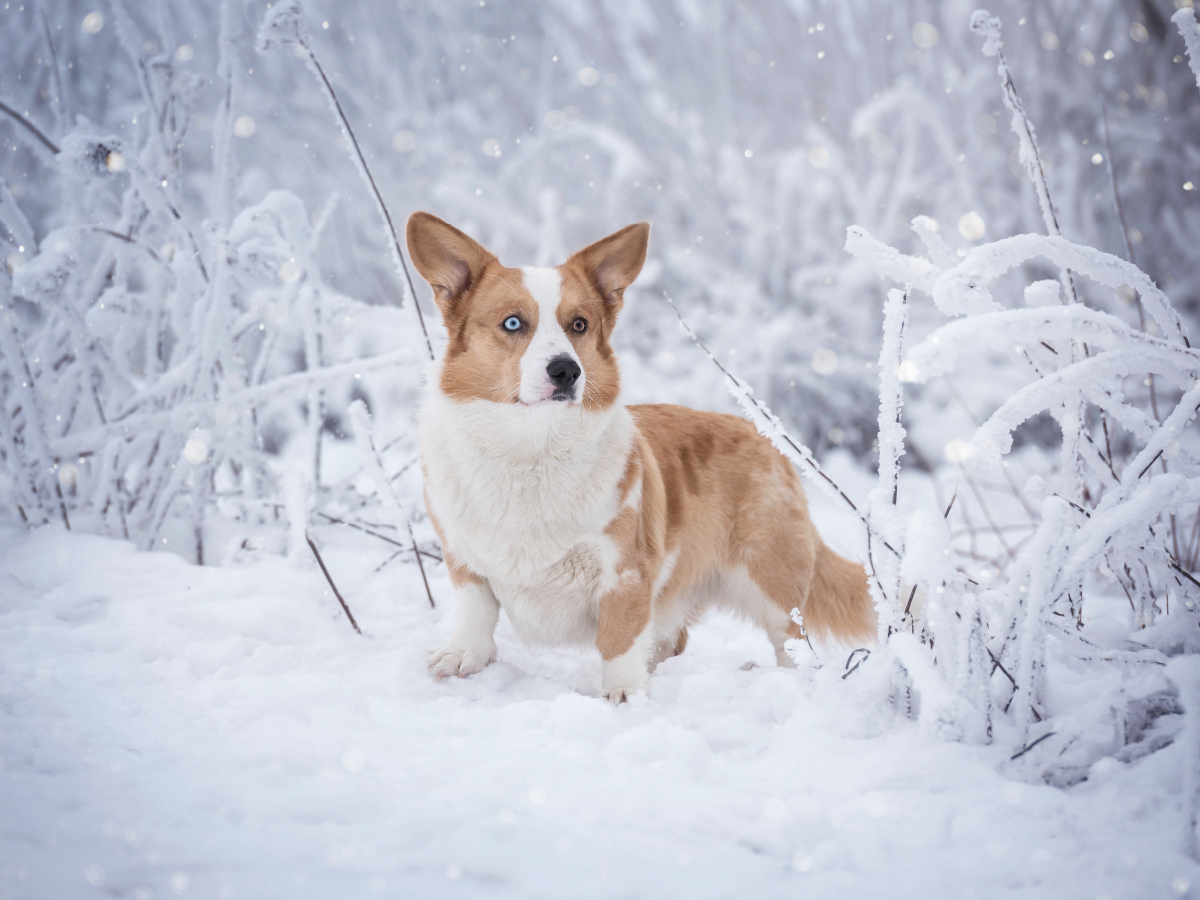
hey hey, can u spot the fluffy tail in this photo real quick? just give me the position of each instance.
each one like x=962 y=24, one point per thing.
x=839 y=606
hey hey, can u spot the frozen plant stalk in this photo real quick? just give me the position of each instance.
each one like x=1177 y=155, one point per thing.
x=883 y=513
x=284 y=23
x=987 y=26
x=360 y=419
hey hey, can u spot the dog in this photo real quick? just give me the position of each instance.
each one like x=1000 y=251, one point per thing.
x=585 y=520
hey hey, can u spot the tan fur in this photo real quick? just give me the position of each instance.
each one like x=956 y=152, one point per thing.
x=707 y=511
x=475 y=293
x=638 y=533
x=732 y=500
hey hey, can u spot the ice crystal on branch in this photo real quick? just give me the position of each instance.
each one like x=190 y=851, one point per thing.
x=283 y=23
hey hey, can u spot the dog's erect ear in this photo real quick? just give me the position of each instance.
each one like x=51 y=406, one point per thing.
x=612 y=263
x=449 y=260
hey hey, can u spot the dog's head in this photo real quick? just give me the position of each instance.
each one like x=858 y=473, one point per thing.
x=531 y=335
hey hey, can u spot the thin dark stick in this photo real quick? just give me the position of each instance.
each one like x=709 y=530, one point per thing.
x=1112 y=177
x=987 y=513
x=1149 y=464
x=425 y=553
x=129 y=240
x=1029 y=747
x=862 y=659
x=911 y=594
x=421 y=566
x=950 y=505
x=379 y=568
x=1178 y=568
x=357 y=527
x=62 y=102
x=999 y=665
x=329 y=578
x=32 y=129
x=387 y=216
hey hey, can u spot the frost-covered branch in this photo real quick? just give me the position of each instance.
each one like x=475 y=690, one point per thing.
x=1189 y=28
x=988 y=27
x=360 y=419
x=284 y=23
x=882 y=502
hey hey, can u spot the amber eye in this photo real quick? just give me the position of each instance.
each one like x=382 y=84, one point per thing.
x=579 y=326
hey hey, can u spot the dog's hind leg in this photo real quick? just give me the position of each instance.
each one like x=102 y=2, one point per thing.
x=796 y=571
x=664 y=649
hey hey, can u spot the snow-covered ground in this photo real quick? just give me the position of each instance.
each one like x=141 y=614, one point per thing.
x=172 y=730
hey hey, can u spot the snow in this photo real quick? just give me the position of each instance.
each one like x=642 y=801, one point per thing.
x=202 y=352
x=173 y=730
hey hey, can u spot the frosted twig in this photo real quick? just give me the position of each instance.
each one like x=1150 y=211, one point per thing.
x=185 y=412
x=30 y=127
x=891 y=400
x=882 y=502
x=360 y=420
x=40 y=463
x=60 y=103
x=1178 y=568
x=988 y=27
x=1185 y=21
x=284 y=23
x=1031 y=745
x=329 y=578
x=336 y=521
x=1112 y=177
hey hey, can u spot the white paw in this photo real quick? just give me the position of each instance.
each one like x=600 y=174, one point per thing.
x=621 y=693
x=460 y=661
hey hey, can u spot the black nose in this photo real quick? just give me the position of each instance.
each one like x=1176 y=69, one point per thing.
x=563 y=372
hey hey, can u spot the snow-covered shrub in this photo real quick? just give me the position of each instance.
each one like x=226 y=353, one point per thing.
x=153 y=362
x=539 y=127
x=1114 y=509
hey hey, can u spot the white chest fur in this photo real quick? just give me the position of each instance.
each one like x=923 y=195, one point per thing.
x=523 y=495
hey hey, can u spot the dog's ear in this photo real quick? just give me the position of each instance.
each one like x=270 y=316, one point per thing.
x=612 y=263
x=450 y=261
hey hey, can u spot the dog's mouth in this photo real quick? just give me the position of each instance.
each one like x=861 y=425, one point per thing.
x=558 y=397
x=567 y=395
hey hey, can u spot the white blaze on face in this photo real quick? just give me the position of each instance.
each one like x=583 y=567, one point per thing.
x=549 y=340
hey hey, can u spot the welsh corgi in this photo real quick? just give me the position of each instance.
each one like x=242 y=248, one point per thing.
x=586 y=520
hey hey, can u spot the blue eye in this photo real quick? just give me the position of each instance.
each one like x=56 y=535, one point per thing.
x=512 y=323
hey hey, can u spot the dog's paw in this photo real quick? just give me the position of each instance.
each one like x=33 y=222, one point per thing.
x=458 y=661
x=619 y=694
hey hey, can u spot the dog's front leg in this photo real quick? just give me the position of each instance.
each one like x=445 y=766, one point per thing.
x=625 y=639
x=472 y=646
